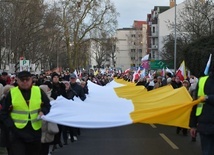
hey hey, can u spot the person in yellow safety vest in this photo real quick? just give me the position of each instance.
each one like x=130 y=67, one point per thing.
x=21 y=113
x=202 y=115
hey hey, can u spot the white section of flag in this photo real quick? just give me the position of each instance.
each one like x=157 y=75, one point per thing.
x=101 y=109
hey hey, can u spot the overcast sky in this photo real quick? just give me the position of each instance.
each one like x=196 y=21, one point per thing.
x=131 y=10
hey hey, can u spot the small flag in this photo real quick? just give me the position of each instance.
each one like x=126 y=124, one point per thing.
x=206 y=71
x=145 y=58
x=181 y=72
x=169 y=71
x=163 y=72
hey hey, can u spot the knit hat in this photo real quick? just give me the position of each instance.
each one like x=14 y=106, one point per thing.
x=4 y=73
x=54 y=74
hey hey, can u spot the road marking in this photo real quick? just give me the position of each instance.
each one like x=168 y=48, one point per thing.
x=169 y=141
x=153 y=126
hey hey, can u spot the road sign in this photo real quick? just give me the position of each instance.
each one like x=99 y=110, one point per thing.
x=24 y=65
x=160 y=64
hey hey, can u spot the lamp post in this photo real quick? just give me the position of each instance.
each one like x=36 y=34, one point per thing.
x=175 y=41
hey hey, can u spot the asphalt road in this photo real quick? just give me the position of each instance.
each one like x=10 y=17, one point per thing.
x=136 y=139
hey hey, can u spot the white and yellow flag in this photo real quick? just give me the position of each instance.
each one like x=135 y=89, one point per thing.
x=122 y=103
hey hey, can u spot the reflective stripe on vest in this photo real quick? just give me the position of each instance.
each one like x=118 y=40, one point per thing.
x=22 y=113
x=201 y=84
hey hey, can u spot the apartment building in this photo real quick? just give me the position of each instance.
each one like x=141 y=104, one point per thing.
x=131 y=45
x=153 y=31
x=166 y=18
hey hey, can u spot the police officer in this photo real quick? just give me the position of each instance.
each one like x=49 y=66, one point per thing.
x=21 y=112
x=202 y=115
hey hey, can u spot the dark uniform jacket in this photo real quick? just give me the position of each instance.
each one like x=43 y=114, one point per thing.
x=27 y=134
x=205 y=122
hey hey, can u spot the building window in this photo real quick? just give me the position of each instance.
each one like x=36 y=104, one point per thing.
x=133 y=35
x=132 y=50
x=153 y=41
x=153 y=29
x=132 y=58
x=139 y=51
x=152 y=54
x=132 y=65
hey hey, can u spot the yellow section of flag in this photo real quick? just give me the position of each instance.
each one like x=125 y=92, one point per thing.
x=165 y=105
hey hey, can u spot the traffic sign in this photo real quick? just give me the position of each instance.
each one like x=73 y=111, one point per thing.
x=24 y=65
x=160 y=64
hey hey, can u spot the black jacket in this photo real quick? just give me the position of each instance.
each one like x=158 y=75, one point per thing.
x=176 y=85
x=27 y=134
x=70 y=94
x=78 y=91
x=57 y=90
x=205 y=122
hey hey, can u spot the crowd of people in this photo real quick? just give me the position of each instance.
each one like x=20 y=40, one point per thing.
x=26 y=97
x=23 y=132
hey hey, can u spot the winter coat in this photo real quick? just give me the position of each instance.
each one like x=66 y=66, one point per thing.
x=78 y=91
x=205 y=122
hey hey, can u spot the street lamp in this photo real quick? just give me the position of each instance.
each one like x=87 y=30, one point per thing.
x=175 y=41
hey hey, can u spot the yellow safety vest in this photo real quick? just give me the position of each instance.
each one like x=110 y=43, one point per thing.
x=201 y=93
x=21 y=112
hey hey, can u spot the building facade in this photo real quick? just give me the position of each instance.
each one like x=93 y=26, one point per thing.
x=131 y=45
x=153 y=31
x=164 y=19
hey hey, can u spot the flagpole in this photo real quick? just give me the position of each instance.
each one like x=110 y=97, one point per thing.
x=175 y=41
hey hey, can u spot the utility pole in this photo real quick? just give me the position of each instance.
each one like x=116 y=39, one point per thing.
x=175 y=41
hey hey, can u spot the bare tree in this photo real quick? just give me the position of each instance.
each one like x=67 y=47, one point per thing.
x=194 y=21
x=80 y=18
x=52 y=36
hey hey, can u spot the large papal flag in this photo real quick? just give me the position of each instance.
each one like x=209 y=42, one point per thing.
x=122 y=103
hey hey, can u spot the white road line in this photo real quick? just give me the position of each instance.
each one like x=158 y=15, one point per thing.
x=153 y=126
x=169 y=141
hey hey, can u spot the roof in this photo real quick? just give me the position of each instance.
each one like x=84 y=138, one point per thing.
x=161 y=8
x=138 y=24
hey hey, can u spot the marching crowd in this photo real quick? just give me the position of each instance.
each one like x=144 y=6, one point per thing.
x=21 y=108
x=21 y=125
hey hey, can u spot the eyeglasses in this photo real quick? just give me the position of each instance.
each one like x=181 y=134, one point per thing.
x=25 y=79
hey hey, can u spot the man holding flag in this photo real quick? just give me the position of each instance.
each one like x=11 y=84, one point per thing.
x=202 y=115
